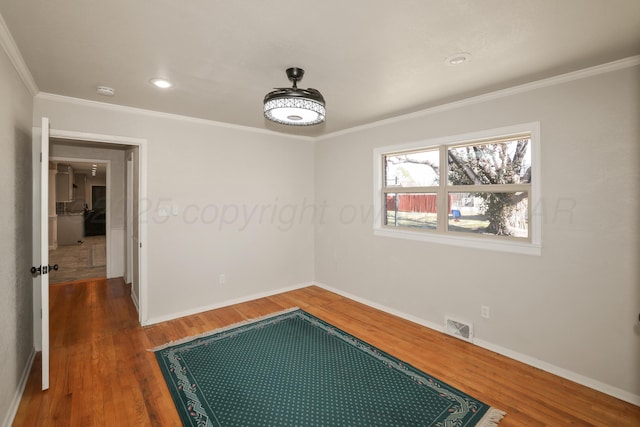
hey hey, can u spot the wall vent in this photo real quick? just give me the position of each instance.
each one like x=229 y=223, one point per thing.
x=459 y=329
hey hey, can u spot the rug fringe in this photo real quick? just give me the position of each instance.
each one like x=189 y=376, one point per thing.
x=222 y=329
x=491 y=418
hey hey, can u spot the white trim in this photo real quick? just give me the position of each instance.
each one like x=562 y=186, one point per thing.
x=17 y=396
x=141 y=143
x=527 y=87
x=36 y=133
x=488 y=243
x=11 y=48
x=431 y=325
x=225 y=303
x=561 y=372
x=134 y=298
x=96 y=137
x=523 y=358
x=165 y=116
x=128 y=238
x=495 y=244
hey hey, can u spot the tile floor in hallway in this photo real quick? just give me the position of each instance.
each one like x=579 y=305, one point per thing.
x=85 y=260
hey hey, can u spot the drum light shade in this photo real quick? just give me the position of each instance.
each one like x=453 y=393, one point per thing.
x=294 y=106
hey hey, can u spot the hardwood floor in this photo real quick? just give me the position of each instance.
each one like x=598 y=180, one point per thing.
x=103 y=375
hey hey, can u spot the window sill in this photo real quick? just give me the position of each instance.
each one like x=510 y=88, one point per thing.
x=493 y=244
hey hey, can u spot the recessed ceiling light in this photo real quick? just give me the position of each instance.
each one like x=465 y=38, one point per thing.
x=106 y=91
x=161 y=83
x=458 y=58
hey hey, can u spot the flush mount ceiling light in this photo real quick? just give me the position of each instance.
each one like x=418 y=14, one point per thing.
x=161 y=83
x=105 y=91
x=294 y=106
x=458 y=58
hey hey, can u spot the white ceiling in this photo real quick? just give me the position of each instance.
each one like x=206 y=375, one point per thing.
x=371 y=59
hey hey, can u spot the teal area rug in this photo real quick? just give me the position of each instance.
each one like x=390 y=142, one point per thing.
x=293 y=369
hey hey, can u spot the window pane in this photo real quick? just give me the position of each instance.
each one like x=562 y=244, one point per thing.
x=500 y=214
x=411 y=210
x=507 y=162
x=420 y=169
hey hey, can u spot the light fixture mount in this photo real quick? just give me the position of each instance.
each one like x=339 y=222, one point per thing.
x=105 y=91
x=294 y=106
x=295 y=75
x=458 y=59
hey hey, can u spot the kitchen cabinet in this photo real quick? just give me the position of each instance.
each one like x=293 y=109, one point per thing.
x=80 y=182
x=64 y=184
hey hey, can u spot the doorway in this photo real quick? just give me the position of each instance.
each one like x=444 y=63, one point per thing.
x=125 y=190
x=78 y=207
x=42 y=138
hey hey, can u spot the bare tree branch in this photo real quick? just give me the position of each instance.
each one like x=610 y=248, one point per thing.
x=464 y=166
x=406 y=159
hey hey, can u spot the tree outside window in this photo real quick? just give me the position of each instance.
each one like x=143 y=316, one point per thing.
x=483 y=189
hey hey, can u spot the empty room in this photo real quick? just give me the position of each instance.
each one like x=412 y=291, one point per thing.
x=320 y=213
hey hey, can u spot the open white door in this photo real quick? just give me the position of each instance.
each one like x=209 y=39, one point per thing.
x=41 y=241
x=130 y=237
x=44 y=247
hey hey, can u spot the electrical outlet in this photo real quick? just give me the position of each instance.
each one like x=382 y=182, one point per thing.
x=484 y=312
x=222 y=279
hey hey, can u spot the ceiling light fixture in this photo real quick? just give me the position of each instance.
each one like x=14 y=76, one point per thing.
x=458 y=58
x=105 y=91
x=294 y=106
x=161 y=83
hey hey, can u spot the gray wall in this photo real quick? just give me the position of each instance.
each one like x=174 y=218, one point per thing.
x=576 y=306
x=239 y=194
x=573 y=309
x=16 y=284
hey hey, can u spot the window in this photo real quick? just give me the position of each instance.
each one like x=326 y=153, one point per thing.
x=474 y=190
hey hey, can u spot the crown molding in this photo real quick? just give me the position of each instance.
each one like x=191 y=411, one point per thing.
x=9 y=45
x=161 y=115
x=527 y=87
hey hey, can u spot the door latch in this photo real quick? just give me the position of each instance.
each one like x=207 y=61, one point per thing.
x=35 y=271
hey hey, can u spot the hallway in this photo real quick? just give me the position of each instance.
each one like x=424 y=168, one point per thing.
x=81 y=261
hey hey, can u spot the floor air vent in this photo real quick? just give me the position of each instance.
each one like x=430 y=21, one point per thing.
x=459 y=329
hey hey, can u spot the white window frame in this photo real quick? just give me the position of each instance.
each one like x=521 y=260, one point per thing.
x=531 y=246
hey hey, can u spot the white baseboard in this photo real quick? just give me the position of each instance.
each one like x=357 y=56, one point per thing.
x=561 y=372
x=134 y=298
x=17 y=397
x=225 y=303
x=523 y=358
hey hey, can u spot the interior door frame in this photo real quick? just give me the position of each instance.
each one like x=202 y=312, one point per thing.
x=141 y=144
x=129 y=238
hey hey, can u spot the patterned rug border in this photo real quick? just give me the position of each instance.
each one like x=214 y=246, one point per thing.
x=491 y=417
x=222 y=329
